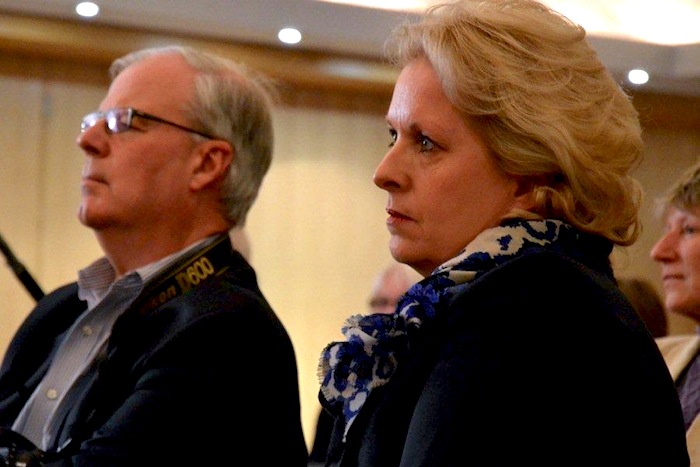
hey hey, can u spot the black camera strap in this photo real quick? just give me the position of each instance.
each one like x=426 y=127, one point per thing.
x=186 y=274
x=178 y=279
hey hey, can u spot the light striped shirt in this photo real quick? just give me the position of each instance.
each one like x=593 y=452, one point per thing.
x=107 y=298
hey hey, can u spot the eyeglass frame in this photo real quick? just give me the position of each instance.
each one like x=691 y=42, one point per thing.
x=91 y=119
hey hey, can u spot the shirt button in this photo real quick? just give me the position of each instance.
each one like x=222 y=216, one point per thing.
x=52 y=394
x=87 y=330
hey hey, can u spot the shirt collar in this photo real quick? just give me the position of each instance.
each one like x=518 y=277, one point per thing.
x=96 y=280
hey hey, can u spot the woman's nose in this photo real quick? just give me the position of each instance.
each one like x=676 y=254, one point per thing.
x=387 y=175
x=662 y=250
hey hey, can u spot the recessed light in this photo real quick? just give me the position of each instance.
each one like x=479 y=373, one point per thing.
x=638 y=76
x=87 y=9
x=289 y=35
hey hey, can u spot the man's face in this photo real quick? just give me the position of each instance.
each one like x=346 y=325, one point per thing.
x=137 y=180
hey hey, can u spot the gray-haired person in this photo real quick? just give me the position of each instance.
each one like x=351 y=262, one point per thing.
x=165 y=351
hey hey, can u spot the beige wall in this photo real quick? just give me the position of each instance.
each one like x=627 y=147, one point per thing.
x=668 y=153
x=317 y=230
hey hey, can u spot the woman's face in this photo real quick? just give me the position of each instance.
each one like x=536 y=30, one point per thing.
x=678 y=253
x=444 y=188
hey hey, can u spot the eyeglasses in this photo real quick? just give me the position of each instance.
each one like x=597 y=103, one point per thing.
x=121 y=119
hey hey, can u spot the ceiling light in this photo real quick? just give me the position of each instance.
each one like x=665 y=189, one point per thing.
x=671 y=22
x=638 y=76
x=289 y=35
x=87 y=9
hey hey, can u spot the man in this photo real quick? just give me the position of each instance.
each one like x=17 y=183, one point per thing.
x=389 y=286
x=164 y=352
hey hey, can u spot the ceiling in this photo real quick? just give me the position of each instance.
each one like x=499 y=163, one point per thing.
x=670 y=22
x=615 y=33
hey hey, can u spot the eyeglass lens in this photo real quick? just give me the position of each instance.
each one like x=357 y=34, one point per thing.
x=116 y=120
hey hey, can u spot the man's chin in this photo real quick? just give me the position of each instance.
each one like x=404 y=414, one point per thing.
x=90 y=219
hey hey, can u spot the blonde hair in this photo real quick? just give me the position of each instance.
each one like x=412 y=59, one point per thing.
x=546 y=107
x=684 y=194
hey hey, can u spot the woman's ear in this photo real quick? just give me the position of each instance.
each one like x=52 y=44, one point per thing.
x=211 y=163
x=525 y=195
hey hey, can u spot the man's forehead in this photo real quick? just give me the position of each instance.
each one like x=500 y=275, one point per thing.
x=140 y=85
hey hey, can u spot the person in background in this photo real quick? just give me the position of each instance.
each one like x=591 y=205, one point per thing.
x=388 y=287
x=678 y=254
x=646 y=300
x=508 y=182
x=165 y=351
x=241 y=242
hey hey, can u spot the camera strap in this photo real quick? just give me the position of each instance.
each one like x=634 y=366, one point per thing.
x=176 y=280
x=186 y=274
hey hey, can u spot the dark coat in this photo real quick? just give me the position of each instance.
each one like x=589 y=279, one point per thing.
x=540 y=361
x=209 y=378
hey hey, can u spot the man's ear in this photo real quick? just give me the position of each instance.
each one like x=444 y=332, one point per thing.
x=211 y=163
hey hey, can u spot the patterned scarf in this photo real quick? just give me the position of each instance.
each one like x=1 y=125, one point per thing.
x=376 y=343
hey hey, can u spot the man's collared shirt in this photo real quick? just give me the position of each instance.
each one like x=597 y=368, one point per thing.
x=107 y=298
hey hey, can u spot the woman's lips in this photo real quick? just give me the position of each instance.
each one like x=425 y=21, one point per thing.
x=395 y=217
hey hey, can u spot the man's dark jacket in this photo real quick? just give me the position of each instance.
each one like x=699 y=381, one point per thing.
x=208 y=378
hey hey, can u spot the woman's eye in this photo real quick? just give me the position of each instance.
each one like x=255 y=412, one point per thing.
x=392 y=135
x=689 y=229
x=426 y=144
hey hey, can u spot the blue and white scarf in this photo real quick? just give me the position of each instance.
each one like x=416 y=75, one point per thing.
x=376 y=343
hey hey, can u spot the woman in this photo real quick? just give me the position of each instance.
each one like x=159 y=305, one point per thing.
x=678 y=254
x=508 y=185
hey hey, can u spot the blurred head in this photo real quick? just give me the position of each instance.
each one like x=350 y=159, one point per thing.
x=389 y=286
x=241 y=242
x=646 y=301
x=536 y=100
x=678 y=249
